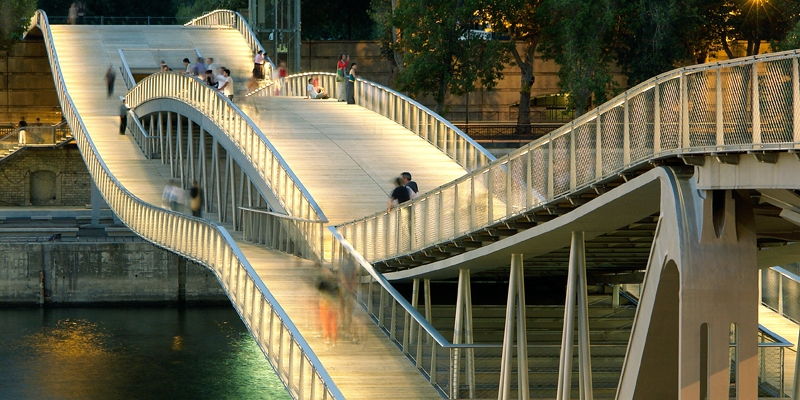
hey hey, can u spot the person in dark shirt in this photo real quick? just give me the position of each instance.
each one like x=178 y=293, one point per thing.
x=399 y=194
x=410 y=184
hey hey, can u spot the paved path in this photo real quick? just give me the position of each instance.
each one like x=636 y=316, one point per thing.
x=371 y=369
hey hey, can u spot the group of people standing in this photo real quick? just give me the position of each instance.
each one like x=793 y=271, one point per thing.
x=405 y=189
x=346 y=79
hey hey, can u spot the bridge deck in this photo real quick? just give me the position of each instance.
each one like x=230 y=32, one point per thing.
x=370 y=370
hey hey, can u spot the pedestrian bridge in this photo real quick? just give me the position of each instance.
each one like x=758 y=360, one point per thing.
x=685 y=177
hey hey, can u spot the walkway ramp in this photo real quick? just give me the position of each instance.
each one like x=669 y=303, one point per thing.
x=371 y=369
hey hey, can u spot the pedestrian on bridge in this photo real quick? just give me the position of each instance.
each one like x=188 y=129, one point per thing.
x=413 y=189
x=110 y=78
x=351 y=85
x=341 y=76
x=22 y=135
x=226 y=83
x=399 y=194
x=123 y=117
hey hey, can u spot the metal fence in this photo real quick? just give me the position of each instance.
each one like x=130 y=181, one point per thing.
x=278 y=232
x=35 y=136
x=780 y=291
x=499 y=134
x=235 y=20
x=208 y=244
x=771 y=363
x=732 y=106
x=109 y=20
x=248 y=138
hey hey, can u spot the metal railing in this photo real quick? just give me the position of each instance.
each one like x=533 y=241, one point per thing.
x=235 y=20
x=248 y=138
x=279 y=232
x=35 y=136
x=208 y=244
x=741 y=105
x=771 y=363
x=112 y=20
x=406 y=112
x=780 y=291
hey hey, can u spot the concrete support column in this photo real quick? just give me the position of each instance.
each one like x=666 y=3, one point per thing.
x=515 y=319
x=701 y=282
x=463 y=328
x=97 y=204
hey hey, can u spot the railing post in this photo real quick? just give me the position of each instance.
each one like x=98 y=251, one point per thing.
x=463 y=325
x=515 y=310
x=573 y=167
x=626 y=134
x=684 y=117
x=719 y=109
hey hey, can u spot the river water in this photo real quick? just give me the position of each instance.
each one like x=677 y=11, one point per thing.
x=131 y=353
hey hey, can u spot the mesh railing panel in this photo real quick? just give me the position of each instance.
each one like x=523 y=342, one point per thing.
x=669 y=112
x=464 y=211
x=561 y=164
x=791 y=298
x=775 y=97
x=612 y=135
x=737 y=98
x=641 y=116
x=499 y=185
x=540 y=173
x=702 y=108
x=586 y=153
x=517 y=168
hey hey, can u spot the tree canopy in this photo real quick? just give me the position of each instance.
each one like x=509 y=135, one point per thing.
x=15 y=17
x=440 y=52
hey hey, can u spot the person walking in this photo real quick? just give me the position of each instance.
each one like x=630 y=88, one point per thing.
x=72 y=14
x=351 y=85
x=111 y=76
x=341 y=76
x=196 y=200
x=123 y=117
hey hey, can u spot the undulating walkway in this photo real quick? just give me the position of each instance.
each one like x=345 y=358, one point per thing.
x=373 y=368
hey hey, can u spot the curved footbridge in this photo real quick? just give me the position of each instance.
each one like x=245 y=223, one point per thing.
x=678 y=182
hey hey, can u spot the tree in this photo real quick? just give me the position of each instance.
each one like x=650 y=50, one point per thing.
x=790 y=42
x=382 y=12
x=577 y=36
x=440 y=53
x=336 y=19
x=15 y=18
x=652 y=36
x=520 y=21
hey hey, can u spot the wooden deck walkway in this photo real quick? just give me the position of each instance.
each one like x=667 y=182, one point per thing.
x=371 y=369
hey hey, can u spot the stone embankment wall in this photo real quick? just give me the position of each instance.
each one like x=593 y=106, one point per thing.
x=70 y=180
x=58 y=273
x=26 y=84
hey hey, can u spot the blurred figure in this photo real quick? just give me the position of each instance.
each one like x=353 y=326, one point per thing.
x=123 y=117
x=210 y=65
x=111 y=76
x=196 y=200
x=172 y=196
x=351 y=85
x=211 y=80
x=348 y=276
x=199 y=68
x=72 y=15
x=258 y=65
x=341 y=75
x=328 y=309
x=399 y=194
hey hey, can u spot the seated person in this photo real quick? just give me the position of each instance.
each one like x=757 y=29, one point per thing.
x=322 y=93
x=311 y=91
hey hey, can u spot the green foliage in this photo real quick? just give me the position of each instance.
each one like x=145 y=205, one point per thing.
x=440 y=56
x=113 y=8
x=15 y=17
x=577 y=36
x=653 y=36
x=790 y=42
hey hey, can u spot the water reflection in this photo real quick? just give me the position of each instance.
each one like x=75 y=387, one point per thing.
x=125 y=353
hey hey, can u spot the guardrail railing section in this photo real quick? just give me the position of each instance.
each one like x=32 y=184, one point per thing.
x=728 y=107
x=780 y=291
x=279 y=232
x=149 y=139
x=234 y=20
x=771 y=364
x=207 y=244
x=248 y=138
x=34 y=136
x=449 y=367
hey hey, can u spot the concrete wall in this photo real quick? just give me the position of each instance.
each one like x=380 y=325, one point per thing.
x=26 y=84
x=72 y=180
x=101 y=273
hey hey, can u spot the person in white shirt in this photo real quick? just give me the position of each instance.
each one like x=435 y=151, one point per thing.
x=311 y=91
x=226 y=83
x=258 y=65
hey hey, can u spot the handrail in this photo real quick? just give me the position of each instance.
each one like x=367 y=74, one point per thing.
x=125 y=70
x=407 y=112
x=293 y=197
x=234 y=20
x=680 y=112
x=202 y=242
x=32 y=128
